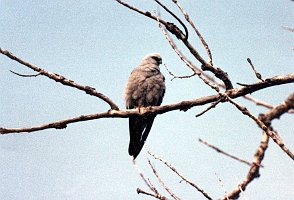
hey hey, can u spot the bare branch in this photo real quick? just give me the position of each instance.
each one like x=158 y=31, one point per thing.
x=176 y=31
x=196 y=70
x=266 y=118
x=196 y=30
x=209 y=108
x=157 y=196
x=180 y=175
x=61 y=79
x=258 y=102
x=219 y=73
x=225 y=153
x=280 y=109
x=178 y=19
x=180 y=77
x=276 y=80
x=183 y=105
x=147 y=14
x=253 y=171
x=265 y=128
x=258 y=75
x=25 y=75
x=263 y=103
x=150 y=185
x=162 y=183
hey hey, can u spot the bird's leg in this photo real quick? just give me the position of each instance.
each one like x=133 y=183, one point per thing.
x=139 y=108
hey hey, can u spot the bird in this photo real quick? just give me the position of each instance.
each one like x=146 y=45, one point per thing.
x=145 y=87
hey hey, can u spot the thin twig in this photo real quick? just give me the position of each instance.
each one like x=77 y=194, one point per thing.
x=61 y=79
x=196 y=31
x=209 y=107
x=258 y=102
x=176 y=17
x=180 y=175
x=258 y=75
x=25 y=75
x=225 y=153
x=175 y=76
x=151 y=187
x=157 y=196
x=173 y=195
x=196 y=70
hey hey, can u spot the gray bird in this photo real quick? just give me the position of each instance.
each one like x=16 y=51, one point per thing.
x=145 y=87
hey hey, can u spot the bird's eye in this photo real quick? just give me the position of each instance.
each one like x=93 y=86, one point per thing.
x=156 y=58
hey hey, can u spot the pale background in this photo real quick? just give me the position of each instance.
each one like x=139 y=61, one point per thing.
x=98 y=44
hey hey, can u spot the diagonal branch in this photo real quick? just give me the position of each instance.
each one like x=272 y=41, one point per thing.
x=61 y=79
x=196 y=31
x=253 y=172
x=176 y=17
x=180 y=175
x=219 y=73
x=224 y=153
x=195 y=69
x=264 y=127
x=174 y=196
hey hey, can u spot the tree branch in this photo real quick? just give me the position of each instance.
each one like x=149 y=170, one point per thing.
x=258 y=75
x=264 y=127
x=183 y=105
x=253 y=172
x=157 y=196
x=173 y=195
x=224 y=153
x=172 y=28
x=196 y=31
x=61 y=79
x=180 y=175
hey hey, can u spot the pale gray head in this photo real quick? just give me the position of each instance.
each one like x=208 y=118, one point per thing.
x=152 y=58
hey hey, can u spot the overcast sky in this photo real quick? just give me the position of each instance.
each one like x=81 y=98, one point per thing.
x=98 y=44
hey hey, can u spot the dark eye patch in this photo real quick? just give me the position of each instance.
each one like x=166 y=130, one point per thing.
x=156 y=58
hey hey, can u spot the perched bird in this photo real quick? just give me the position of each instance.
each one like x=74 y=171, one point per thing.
x=145 y=87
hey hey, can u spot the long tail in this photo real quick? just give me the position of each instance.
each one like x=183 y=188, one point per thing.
x=139 y=128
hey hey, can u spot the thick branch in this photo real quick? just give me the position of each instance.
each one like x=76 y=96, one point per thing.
x=61 y=79
x=183 y=105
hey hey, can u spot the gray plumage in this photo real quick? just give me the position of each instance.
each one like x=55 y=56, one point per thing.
x=145 y=87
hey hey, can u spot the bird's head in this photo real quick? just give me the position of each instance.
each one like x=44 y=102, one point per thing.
x=152 y=58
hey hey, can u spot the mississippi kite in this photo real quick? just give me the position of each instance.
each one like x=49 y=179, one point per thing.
x=145 y=87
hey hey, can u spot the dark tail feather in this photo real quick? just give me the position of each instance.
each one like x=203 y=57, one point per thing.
x=139 y=128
